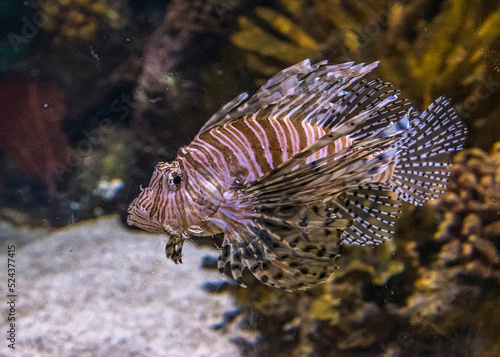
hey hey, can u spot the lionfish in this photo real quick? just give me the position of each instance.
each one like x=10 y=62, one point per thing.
x=318 y=157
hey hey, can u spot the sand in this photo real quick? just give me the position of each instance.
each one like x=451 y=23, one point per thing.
x=98 y=289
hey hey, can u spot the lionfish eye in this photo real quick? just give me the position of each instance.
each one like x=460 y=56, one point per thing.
x=177 y=180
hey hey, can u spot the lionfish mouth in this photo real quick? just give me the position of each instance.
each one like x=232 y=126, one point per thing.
x=140 y=218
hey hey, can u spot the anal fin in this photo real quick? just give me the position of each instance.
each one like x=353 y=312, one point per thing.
x=287 y=248
x=374 y=209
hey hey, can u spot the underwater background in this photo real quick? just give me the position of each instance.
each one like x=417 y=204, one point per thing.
x=93 y=93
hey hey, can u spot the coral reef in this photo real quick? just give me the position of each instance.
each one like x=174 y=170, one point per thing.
x=428 y=48
x=463 y=270
x=408 y=297
x=87 y=44
x=70 y=20
x=470 y=232
x=85 y=47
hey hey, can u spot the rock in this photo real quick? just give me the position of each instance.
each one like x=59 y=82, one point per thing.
x=98 y=289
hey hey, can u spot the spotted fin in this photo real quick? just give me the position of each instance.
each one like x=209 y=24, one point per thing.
x=280 y=253
x=311 y=218
x=232 y=253
x=295 y=247
x=422 y=170
x=173 y=248
x=374 y=209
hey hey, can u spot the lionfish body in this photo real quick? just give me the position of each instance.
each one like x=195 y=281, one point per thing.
x=316 y=158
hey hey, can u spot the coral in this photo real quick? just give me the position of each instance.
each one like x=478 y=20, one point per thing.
x=448 y=56
x=340 y=316
x=87 y=45
x=31 y=126
x=464 y=269
x=297 y=46
x=428 y=48
x=275 y=38
x=70 y=20
x=470 y=232
x=431 y=290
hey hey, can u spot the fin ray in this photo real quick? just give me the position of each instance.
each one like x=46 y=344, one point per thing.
x=283 y=256
x=374 y=208
x=314 y=88
x=432 y=136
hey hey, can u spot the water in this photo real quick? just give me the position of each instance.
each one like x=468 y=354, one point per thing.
x=94 y=93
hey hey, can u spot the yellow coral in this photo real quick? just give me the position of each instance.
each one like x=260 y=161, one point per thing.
x=82 y=19
x=297 y=46
x=426 y=54
x=453 y=50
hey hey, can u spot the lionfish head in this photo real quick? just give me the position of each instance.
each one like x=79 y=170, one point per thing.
x=153 y=210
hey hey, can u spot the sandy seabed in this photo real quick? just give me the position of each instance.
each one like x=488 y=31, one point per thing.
x=98 y=289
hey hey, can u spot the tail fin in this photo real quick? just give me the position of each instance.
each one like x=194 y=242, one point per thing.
x=422 y=169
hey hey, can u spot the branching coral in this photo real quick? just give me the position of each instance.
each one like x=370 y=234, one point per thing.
x=294 y=46
x=470 y=233
x=70 y=20
x=427 y=48
x=465 y=271
x=276 y=39
x=428 y=56
x=447 y=57
x=409 y=297
x=335 y=318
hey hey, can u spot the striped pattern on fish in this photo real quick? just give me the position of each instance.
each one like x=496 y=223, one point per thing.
x=257 y=145
x=316 y=158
